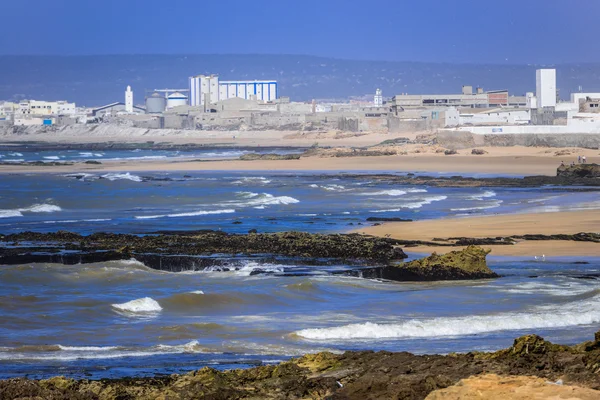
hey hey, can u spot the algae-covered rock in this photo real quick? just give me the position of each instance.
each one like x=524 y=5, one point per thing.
x=469 y=263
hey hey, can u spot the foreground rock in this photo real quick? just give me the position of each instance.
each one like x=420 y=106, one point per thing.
x=184 y=251
x=469 y=263
x=352 y=375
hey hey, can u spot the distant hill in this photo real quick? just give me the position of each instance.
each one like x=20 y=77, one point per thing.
x=97 y=80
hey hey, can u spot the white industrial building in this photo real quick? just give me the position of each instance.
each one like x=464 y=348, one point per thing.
x=176 y=99
x=208 y=89
x=259 y=90
x=546 y=88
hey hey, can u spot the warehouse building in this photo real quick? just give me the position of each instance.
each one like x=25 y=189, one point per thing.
x=207 y=89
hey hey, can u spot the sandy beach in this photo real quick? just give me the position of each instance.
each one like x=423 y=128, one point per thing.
x=502 y=225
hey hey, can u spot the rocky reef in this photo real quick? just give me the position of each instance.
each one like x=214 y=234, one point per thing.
x=352 y=375
x=269 y=156
x=462 y=181
x=184 y=251
x=579 y=171
x=469 y=263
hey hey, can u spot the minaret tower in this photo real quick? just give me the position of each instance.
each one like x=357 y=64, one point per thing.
x=129 y=100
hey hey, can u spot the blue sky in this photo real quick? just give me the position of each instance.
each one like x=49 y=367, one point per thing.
x=482 y=31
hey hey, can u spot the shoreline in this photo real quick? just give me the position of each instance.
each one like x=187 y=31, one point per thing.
x=548 y=223
x=417 y=163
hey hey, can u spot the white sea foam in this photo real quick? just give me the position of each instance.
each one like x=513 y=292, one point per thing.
x=564 y=289
x=414 y=205
x=495 y=204
x=197 y=292
x=252 y=179
x=245 y=270
x=86 y=154
x=251 y=267
x=186 y=214
x=45 y=208
x=125 y=176
x=71 y=353
x=334 y=188
x=484 y=195
x=14 y=154
x=263 y=199
x=145 y=305
x=189 y=347
x=545 y=317
x=10 y=213
x=87 y=348
x=81 y=176
x=36 y=208
x=392 y=192
x=52 y=158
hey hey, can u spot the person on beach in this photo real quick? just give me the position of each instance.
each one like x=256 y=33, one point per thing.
x=562 y=163
x=579 y=159
x=583 y=159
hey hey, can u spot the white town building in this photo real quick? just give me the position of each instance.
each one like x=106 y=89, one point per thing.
x=546 y=88
x=42 y=108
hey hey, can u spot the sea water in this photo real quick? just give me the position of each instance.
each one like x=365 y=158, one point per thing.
x=121 y=318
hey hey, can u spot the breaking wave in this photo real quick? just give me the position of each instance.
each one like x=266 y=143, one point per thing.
x=36 y=208
x=252 y=179
x=329 y=188
x=392 y=192
x=186 y=214
x=251 y=199
x=484 y=195
x=496 y=204
x=71 y=353
x=125 y=176
x=414 y=205
x=145 y=305
x=545 y=317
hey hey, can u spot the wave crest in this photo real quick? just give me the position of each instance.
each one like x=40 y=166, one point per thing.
x=145 y=305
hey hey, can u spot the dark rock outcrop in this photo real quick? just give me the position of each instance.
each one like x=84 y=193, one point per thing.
x=578 y=171
x=469 y=263
x=269 y=156
x=177 y=252
x=352 y=375
x=388 y=219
